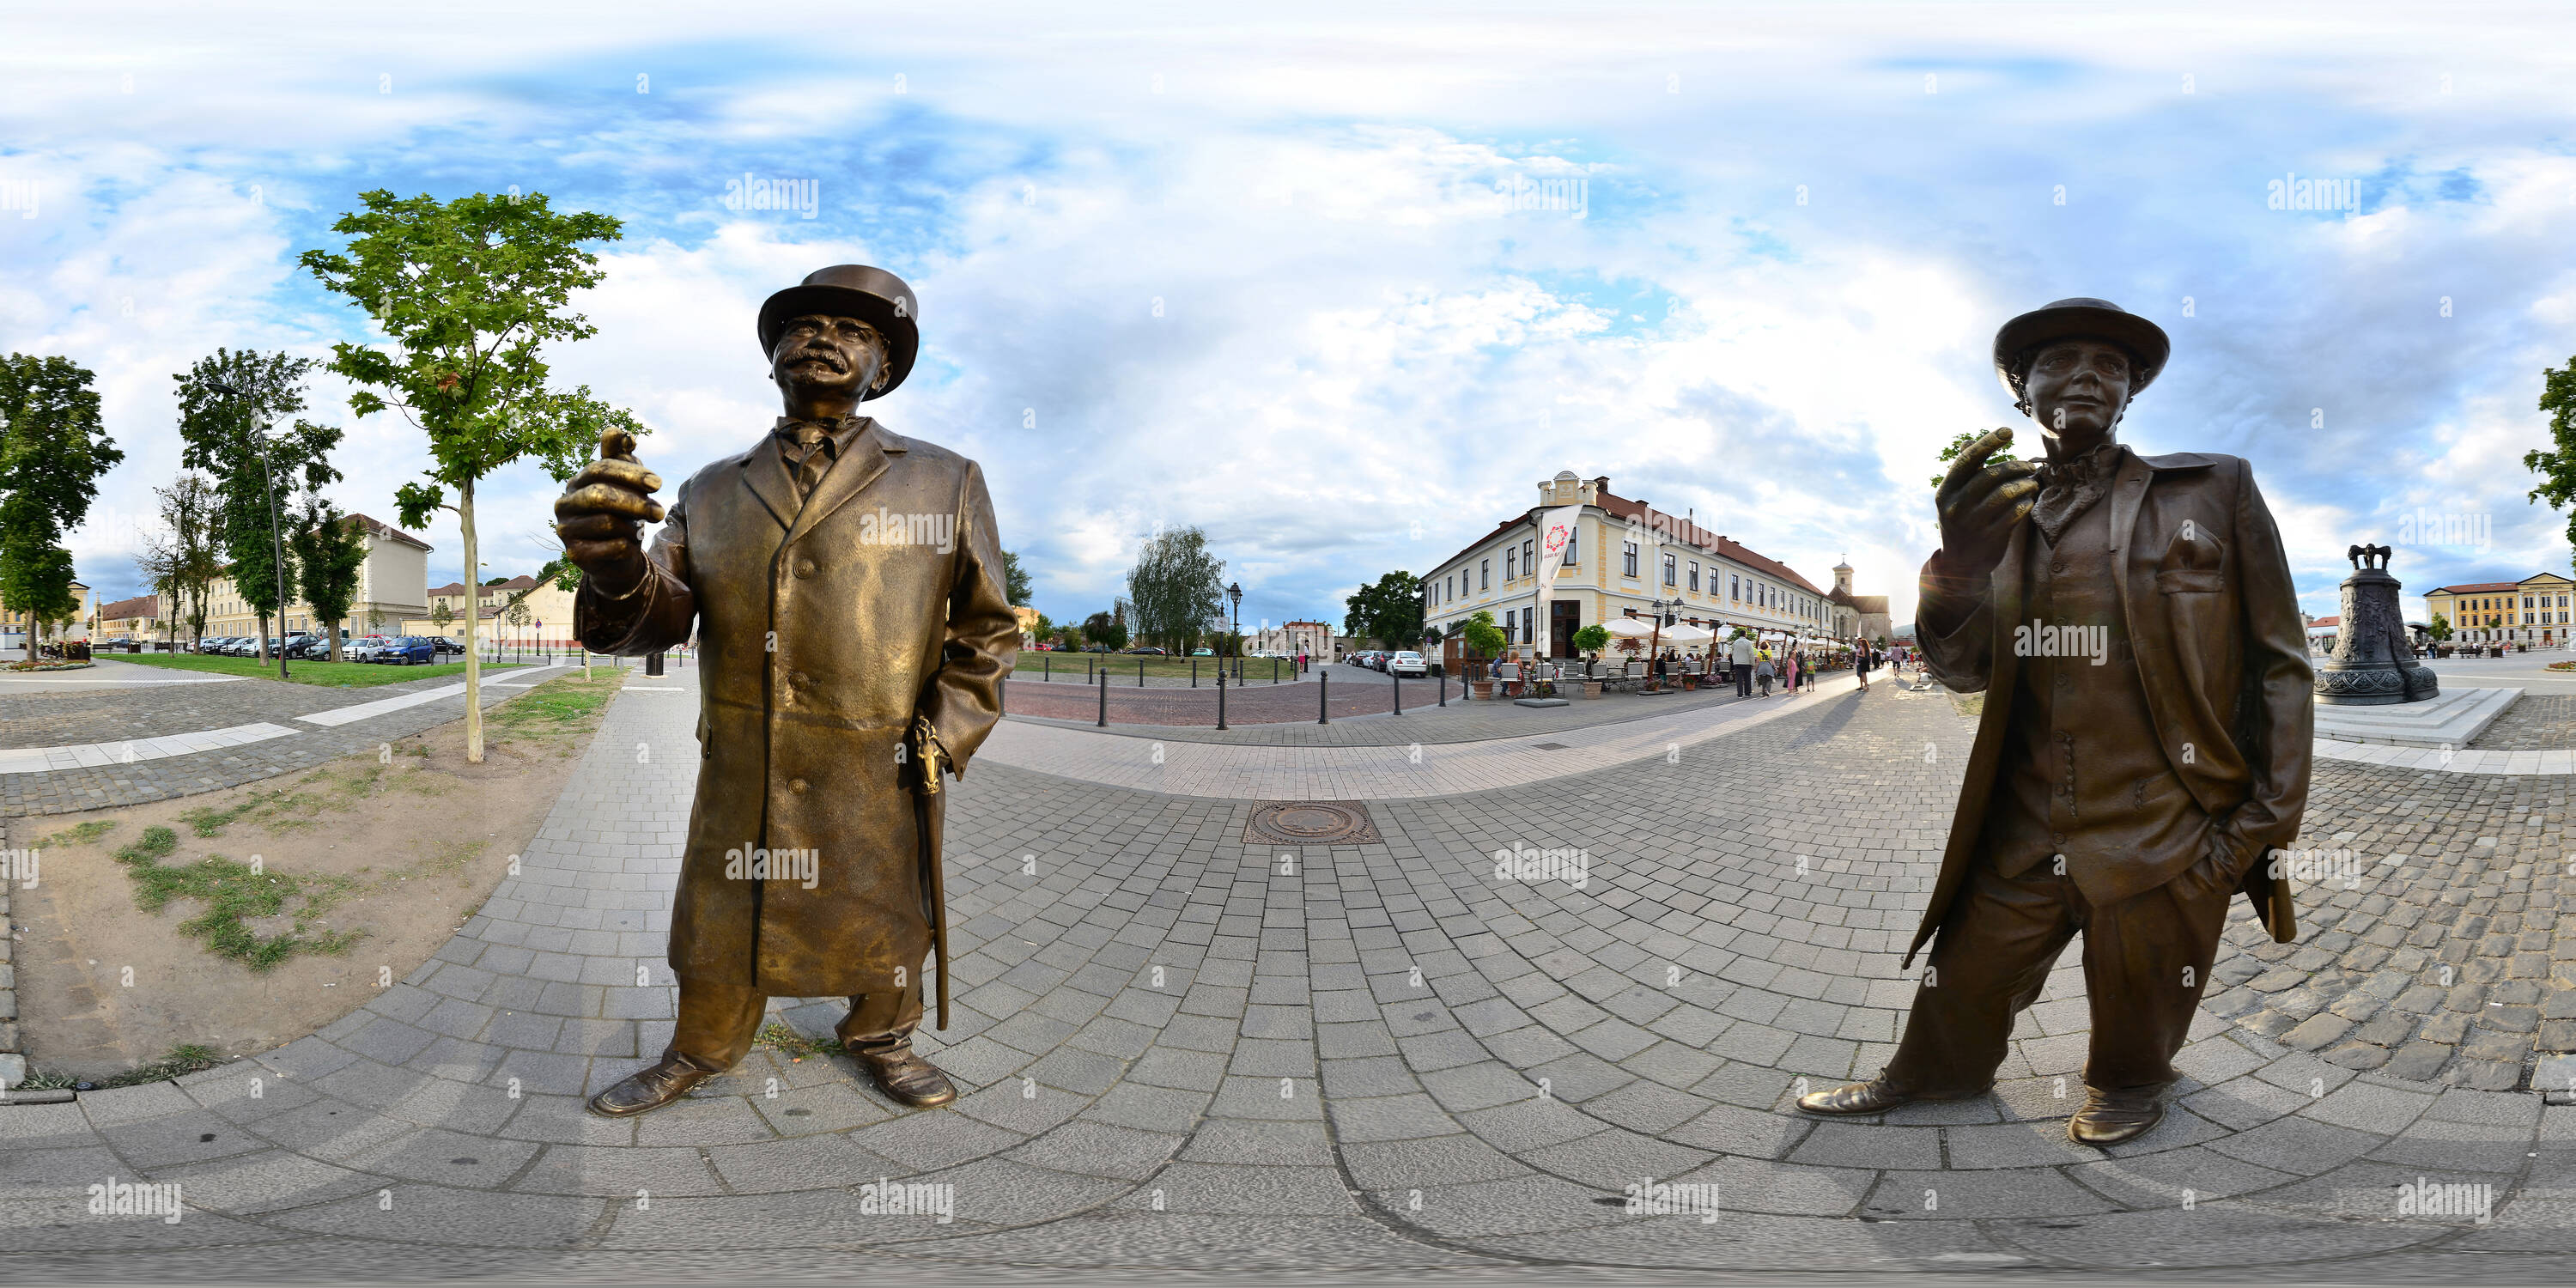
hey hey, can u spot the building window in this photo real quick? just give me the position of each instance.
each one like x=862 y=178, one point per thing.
x=1628 y=558
x=1671 y=577
x=1511 y=564
x=1732 y=593
x=1529 y=556
x=1484 y=574
x=1694 y=577
x=1570 y=538
x=1527 y=616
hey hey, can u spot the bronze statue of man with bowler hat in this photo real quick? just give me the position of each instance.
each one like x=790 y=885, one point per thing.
x=2145 y=742
x=846 y=587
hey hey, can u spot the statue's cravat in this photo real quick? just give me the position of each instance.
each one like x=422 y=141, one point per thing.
x=2067 y=488
x=809 y=448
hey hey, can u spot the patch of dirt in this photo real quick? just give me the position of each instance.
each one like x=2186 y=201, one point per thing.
x=393 y=850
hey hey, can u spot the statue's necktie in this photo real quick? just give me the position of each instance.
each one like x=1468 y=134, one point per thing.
x=811 y=457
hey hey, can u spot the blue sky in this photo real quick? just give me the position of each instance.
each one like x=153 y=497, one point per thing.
x=1190 y=266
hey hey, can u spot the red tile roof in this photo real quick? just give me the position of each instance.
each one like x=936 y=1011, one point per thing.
x=1675 y=529
x=384 y=529
x=2478 y=588
x=139 y=606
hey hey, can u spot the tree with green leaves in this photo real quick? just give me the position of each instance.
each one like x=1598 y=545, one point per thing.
x=1483 y=635
x=2440 y=629
x=1176 y=588
x=1593 y=638
x=183 y=560
x=2557 y=469
x=1388 y=610
x=1015 y=578
x=469 y=291
x=1104 y=628
x=229 y=405
x=53 y=450
x=329 y=549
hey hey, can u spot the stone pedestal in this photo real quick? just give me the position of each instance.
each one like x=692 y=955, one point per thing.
x=2373 y=662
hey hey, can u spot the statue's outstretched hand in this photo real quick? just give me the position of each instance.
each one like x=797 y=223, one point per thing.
x=1979 y=502
x=601 y=513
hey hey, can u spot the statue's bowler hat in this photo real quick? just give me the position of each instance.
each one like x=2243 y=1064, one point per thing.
x=872 y=295
x=2084 y=319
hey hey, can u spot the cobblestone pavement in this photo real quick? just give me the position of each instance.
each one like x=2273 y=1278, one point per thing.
x=1180 y=1051
x=140 y=713
x=1382 y=768
x=2535 y=722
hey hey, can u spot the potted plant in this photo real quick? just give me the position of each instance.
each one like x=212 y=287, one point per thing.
x=1486 y=639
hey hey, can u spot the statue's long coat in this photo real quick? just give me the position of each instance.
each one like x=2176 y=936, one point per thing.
x=823 y=628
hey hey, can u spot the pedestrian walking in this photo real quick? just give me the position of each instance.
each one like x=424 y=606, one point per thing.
x=1763 y=672
x=1740 y=660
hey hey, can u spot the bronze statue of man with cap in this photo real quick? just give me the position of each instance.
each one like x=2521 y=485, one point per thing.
x=846 y=587
x=2145 y=741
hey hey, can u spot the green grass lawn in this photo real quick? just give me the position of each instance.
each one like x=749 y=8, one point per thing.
x=1031 y=665
x=329 y=675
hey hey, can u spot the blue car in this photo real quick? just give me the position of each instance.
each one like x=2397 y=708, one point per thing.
x=407 y=650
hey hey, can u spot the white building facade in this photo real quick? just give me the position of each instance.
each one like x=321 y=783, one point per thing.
x=1626 y=558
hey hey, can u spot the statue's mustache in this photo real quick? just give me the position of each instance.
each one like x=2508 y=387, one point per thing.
x=824 y=356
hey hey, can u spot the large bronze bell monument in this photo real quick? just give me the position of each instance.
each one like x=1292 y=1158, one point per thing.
x=2373 y=662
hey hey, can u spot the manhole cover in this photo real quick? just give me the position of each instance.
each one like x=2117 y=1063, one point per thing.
x=1311 y=823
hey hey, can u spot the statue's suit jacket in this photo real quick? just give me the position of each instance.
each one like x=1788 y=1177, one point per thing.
x=2208 y=604
x=820 y=638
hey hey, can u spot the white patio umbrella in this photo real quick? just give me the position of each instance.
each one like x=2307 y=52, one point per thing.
x=1688 y=636
x=1631 y=628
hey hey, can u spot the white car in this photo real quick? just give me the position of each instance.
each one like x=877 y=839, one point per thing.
x=1406 y=663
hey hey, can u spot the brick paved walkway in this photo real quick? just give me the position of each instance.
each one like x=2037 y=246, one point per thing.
x=1184 y=1052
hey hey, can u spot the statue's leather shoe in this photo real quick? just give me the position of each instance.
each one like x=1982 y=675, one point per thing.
x=650 y=1089
x=2111 y=1117
x=1872 y=1097
x=902 y=1073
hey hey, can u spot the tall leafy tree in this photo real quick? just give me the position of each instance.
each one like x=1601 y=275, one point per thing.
x=1388 y=609
x=1015 y=579
x=183 y=560
x=2557 y=469
x=231 y=407
x=1176 y=588
x=329 y=549
x=53 y=449
x=468 y=291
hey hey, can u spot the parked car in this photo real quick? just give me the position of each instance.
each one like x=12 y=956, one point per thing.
x=1405 y=662
x=409 y=650
x=212 y=644
x=447 y=644
x=1202 y=652
x=1148 y=650
x=356 y=650
x=302 y=647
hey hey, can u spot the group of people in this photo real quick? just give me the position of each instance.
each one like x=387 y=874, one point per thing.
x=1756 y=666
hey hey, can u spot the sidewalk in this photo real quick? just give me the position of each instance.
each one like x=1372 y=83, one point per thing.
x=1183 y=1050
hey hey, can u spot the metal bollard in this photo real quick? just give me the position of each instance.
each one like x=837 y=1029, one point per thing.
x=1399 y=689
x=1140 y=672
x=1194 y=672
x=1323 y=698
x=1220 y=698
x=1104 y=697
x=1444 y=686
x=653 y=663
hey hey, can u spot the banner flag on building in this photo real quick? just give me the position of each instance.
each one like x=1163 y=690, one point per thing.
x=1555 y=533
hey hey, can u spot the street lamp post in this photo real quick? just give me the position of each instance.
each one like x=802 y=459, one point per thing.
x=276 y=535
x=1235 y=593
x=1654 y=642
